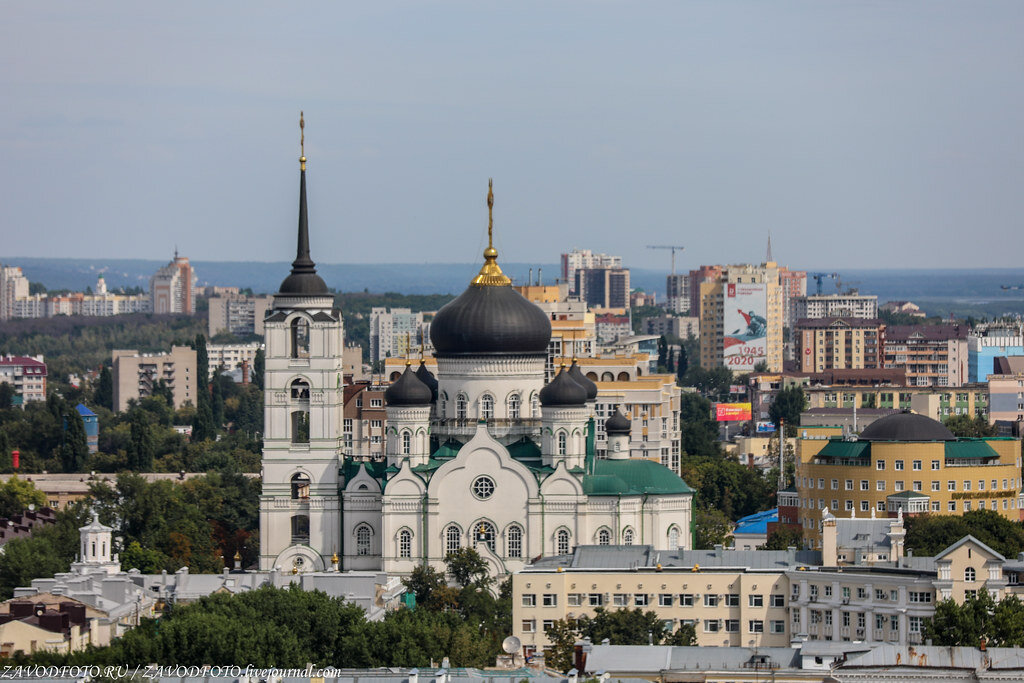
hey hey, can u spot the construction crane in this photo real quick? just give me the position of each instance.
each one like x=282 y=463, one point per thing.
x=659 y=246
x=818 y=277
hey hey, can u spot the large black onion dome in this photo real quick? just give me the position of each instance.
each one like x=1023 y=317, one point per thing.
x=583 y=380
x=906 y=427
x=490 y=320
x=408 y=390
x=427 y=377
x=617 y=424
x=563 y=391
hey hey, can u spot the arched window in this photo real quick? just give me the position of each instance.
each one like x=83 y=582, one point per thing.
x=363 y=534
x=604 y=537
x=969 y=574
x=623 y=377
x=460 y=406
x=534 y=406
x=483 y=534
x=406 y=443
x=562 y=443
x=300 y=389
x=513 y=406
x=673 y=538
x=487 y=407
x=562 y=542
x=592 y=376
x=300 y=426
x=405 y=543
x=627 y=536
x=300 y=529
x=394 y=376
x=300 y=486
x=300 y=338
x=607 y=377
x=452 y=539
x=515 y=541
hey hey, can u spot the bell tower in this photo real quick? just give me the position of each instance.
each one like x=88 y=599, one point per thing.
x=303 y=402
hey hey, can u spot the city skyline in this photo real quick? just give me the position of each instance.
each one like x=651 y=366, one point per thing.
x=130 y=130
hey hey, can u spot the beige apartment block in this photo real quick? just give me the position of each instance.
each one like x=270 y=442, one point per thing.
x=838 y=344
x=719 y=319
x=135 y=375
x=971 y=399
x=238 y=314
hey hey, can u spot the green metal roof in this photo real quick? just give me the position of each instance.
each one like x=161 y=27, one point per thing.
x=837 y=448
x=449 y=449
x=969 y=448
x=524 y=449
x=632 y=477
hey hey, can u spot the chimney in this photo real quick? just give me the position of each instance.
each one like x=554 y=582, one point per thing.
x=829 y=540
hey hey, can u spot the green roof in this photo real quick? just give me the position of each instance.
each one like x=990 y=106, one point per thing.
x=449 y=449
x=837 y=448
x=524 y=449
x=350 y=468
x=632 y=477
x=969 y=448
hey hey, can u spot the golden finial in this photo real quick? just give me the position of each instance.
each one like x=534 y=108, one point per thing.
x=490 y=274
x=334 y=557
x=302 y=140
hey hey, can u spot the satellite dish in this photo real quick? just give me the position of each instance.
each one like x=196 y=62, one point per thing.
x=511 y=645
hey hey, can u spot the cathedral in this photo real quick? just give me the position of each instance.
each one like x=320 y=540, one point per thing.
x=484 y=455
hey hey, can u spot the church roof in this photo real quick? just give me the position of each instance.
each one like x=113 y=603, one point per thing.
x=632 y=477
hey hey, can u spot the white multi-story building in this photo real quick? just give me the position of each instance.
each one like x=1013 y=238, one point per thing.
x=817 y=306
x=677 y=290
x=173 y=287
x=581 y=259
x=490 y=457
x=396 y=333
x=26 y=374
x=13 y=286
x=231 y=356
x=238 y=314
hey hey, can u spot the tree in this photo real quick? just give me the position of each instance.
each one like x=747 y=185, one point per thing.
x=699 y=431
x=424 y=582
x=217 y=400
x=966 y=426
x=258 y=368
x=140 y=448
x=104 y=394
x=203 y=427
x=784 y=537
x=685 y=636
x=467 y=568
x=17 y=494
x=788 y=405
x=682 y=362
x=662 y=353
x=712 y=528
x=75 y=449
x=562 y=634
x=6 y=395
x=928 y=535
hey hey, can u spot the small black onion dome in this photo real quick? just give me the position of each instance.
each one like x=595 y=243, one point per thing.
x=303 y=283
x=489 y=320
x=427 y=377
x=563 y=391
x=408 y=390
x=906 y=427
x=617 y=424
x=583 y=380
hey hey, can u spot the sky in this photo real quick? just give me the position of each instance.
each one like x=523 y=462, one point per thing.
x=858 y=134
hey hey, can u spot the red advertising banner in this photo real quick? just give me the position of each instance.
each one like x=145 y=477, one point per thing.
x=729 y=412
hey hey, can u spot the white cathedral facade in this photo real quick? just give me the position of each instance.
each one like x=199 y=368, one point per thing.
x=485 y=456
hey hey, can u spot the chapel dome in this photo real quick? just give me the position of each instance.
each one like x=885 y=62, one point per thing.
x=583 y=380
x=427 y=377
x=408 y=390
x=489 y=320
x=563 y=391
x=617 y=424
x=906 y=427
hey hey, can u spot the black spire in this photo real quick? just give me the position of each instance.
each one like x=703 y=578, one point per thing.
x=303 y=278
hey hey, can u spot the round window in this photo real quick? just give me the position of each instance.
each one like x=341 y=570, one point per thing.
x=483 y=487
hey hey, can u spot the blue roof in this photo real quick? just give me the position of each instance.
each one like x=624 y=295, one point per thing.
x=756 y=523
x=83 y=411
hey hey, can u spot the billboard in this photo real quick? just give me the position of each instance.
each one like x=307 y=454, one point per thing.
x=765 y=427
x=727 y=412
x=745 y=326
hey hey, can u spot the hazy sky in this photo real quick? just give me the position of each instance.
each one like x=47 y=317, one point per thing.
x=861 y=134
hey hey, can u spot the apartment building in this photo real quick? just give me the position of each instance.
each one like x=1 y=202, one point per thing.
x=933 y=355
x=741 y=319
x=603 y=288
x=698 y=277
x=683 y=327
x=651 y=403
x=794 y=286
x=677 y=291
x=396 y=333
x=173 y=287
x=850 y=305
x=833 y=343
x=135 y=374
x=228 y=357
x=584 y=258
x=237 y=314
x=13 y=286
x=1006 y=395
x=27 y=375
x=985 y=343
x=364 y=420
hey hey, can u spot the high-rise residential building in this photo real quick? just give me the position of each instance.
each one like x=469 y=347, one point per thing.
x=604 y=288
x=135 y=374
x=680 y=326
x=172 y=288
x=838 y=343
x=933 y=355
x=741 y=318
x=230 y=357
x=584 y=258
x=238 y=314
x=27 y=374
x=697 y=278
x=794 y=284
x=1006 y=394
x=677 y=291
x=395 y=333
x=13 y=286
x=851 y=305
x=985 y=343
